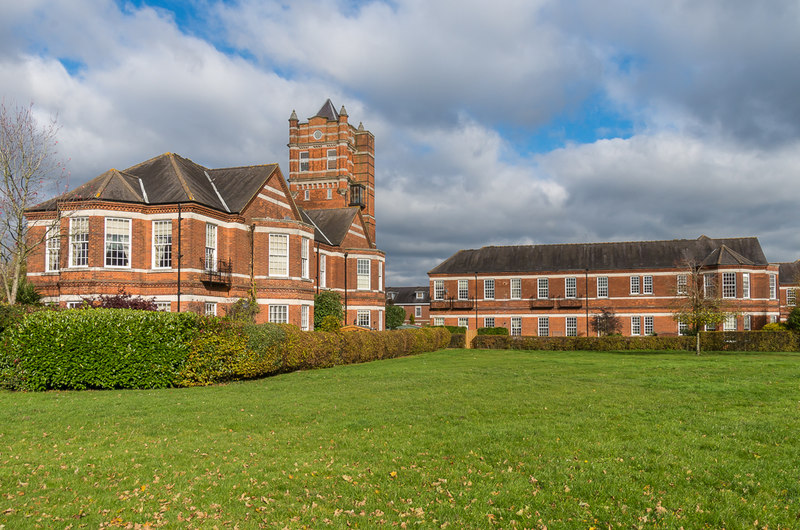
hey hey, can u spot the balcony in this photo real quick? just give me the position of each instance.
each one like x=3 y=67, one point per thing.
x=570 y=303
x=542 y=303
x=216 y=272
x=451 y=304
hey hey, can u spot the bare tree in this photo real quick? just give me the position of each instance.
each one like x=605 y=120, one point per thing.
x=28 y=171
x=606 y=322
x=698 y=304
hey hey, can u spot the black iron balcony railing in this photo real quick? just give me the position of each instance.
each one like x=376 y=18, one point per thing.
x=216 y=272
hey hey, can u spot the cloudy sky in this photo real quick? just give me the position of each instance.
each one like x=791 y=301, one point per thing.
x=503 y=122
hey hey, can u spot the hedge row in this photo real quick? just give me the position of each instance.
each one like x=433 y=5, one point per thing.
x=118 y=348
x=709 y=341
x=227 y=351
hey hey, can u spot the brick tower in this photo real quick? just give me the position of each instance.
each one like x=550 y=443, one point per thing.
x=332 y=163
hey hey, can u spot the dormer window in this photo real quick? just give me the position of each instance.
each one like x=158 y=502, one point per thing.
x=420 y=295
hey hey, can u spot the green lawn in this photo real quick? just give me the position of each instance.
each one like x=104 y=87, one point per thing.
x=460 y=437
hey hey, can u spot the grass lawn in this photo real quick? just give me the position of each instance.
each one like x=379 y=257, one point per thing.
x=460 y=437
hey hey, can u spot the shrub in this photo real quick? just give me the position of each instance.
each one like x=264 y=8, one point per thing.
x=243 y=309
x=454 y=329
x=458 y=340
x=97 y=348
x=775 y=326
x=793 y=320
x=327 y=303
x=27 y=294
x=492 y=331
x=329 y=323
x=395 y=315
x=121 y=300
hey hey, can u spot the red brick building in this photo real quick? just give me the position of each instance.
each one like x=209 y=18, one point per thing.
x=789 y=281
x=198 y=239
x=416 y=302
x=556 y=290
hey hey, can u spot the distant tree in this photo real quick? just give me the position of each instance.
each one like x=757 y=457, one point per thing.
x=28 y=169
x=606 y=322
x=698 y=304
x=395 y=315
x=327 y=303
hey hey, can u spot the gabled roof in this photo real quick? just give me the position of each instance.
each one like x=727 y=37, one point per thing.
x=330 y=224
x=169 y=179
x=789 y=273
x=328 y=111
x=603 y=256
x=408 y=295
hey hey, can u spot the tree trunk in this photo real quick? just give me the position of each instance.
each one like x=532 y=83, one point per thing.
x=697 y=342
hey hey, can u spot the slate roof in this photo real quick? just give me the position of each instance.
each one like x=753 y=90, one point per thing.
x=330 y=224
x=408 y=295
x=604 y=256
x=169 y=179
x=327 y=111
x=789 y=273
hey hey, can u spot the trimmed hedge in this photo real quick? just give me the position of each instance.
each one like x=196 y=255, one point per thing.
x=96 y=348
x=607 y=343
x=493 y=331
x=458 y=340
x=122 y=348
x=709 y=341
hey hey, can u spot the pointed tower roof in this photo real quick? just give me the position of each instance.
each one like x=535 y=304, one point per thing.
x=328 y=111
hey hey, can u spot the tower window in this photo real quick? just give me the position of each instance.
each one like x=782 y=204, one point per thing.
x=317 y=135
x=331 y=158
x=303 y=160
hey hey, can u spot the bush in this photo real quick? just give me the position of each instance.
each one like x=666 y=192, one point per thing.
x=121 y=300
x=329 y=323
x=454 y=329
x=782 y=340
x=97 y=348
x=775 y=326
x=492 y=331
x=395 y=316
x=793 y=320
x=243 y=309
x=327 y=303
x=27 y=294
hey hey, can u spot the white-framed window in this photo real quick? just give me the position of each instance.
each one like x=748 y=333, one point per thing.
x=307 y=195
x=304 y=317
x=745 y=285
x=572 y=326
x=329 y=194
x=362 y=318
x=438 y=321
x=74 y=304
x=791 y=297
x=728 y=285
x=438 y=290
x=729 y=324
x=118 y=242
x=516 y=326
x=746 y=324
x=211 y=309
x=279 y=255
x=773 y=287
x=463 y=290
x=79 y=242
x=331 y=158
x=303 y=160
x=648 y=325
x=544 y=326
x=647 y=284
x=773 y=319
x=162 y=244
x=323 y=270
x=571 y=287
x=166 y=307
x=543 y=288
x=420 y=295
x=380 y=276
x=636 y=325
x=463 y=322
x=211 y=247
x=683 y=328
x=52 y=254
x=709 y=289
x=418 y=311
x=381 y=320
x=304 y=257
x=279 y=314
x=602 y=287
x=516 y=288
x=634 y=285
x=362 y=270
x=488 y=322
x=488 y=289
x=683 y=284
